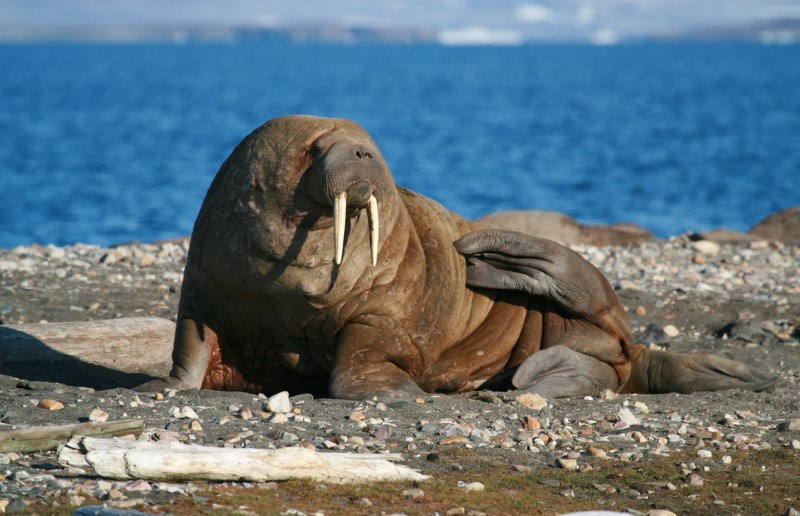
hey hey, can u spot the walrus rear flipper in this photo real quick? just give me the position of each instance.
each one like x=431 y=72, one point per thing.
x=560 y=372
x=655 y=372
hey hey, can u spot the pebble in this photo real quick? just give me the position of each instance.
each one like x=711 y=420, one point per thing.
x=705 y=454
x=279 y=403
x=694 y=479
x=383 y=432
x=626 y=416
x=531 y=400
x=413 y=493
x=98 y=415
x=706 y=247
x=184 y=412
x=609 y=395
x=793 y=425
x=597 y=452
x=50 y=405
x=671 y=331
x=471 y=486
x=245 y=413
x=570 y=464
x=16 y=506
x=277 y=418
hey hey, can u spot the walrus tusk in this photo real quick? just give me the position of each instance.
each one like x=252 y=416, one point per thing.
x=339 y=215
x=374 y=227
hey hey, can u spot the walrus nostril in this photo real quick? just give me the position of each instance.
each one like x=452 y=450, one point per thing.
x=363 y=154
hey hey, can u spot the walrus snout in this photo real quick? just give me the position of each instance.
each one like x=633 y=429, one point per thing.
x=350 y=173
x=358 y=194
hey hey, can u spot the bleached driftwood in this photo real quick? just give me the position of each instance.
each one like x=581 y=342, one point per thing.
x=132 y=345
x=120 y=459
x=39 y=438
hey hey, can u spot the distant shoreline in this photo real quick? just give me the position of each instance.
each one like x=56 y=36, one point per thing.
x=782 y=31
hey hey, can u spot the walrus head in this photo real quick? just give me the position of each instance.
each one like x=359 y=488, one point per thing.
x=347 y=172
x=289 y=185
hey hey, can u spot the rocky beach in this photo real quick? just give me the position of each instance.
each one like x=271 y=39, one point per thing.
x=729 y=452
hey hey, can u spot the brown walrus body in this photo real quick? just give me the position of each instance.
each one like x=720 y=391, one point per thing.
x=266 y=307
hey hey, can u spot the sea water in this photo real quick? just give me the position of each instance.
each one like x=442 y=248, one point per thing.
x=105 y=143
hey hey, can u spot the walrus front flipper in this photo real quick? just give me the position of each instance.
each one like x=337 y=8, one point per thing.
x=190 y=357
x=559 y=372
x=372 y=362
x=508 y=260
x=657 y=372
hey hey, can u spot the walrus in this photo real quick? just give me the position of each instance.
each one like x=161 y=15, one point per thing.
x=309 y=270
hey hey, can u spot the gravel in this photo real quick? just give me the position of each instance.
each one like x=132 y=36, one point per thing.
x=682 y=294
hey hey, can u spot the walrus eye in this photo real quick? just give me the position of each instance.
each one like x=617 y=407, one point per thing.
x=339 y=217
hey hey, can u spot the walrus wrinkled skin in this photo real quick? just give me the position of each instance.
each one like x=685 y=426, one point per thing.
x=277 y=295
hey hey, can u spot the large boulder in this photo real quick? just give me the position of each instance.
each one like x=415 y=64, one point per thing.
x=564 y=229
x=783 y=225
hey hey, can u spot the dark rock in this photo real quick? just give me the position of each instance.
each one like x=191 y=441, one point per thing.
x=17 y=506
x=9 y=417
x=783 y=225
x=383 y=432
x=564 y=229
x=747 y=331
x=653 y=334
x=723 y=235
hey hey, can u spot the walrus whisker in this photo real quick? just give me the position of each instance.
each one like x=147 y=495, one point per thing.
x=339 y=216
x=374 y=227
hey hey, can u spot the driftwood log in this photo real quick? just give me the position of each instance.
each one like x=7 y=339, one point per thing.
x=101 y=354
x=123 y=459
x=39 y=438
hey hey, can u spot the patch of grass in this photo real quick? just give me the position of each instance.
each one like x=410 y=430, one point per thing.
x=767 y=483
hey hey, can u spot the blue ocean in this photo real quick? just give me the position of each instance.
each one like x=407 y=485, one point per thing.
x=106 y=144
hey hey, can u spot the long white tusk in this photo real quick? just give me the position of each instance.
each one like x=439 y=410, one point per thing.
x=374 y=227
x=339 y=216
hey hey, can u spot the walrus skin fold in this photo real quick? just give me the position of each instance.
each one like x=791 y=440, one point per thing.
x=309 y=270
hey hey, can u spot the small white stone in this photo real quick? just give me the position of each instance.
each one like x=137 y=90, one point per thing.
x=413 y=493
x=472 y=486
x=279 y=403
x=185 y=412
x=608 y=394
x=705 y=454
x=98 y=415
x=570 y=464
x=625 y=415
x=671 y=331
x=55 y=252
x=726 y=459
x=706 y=246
